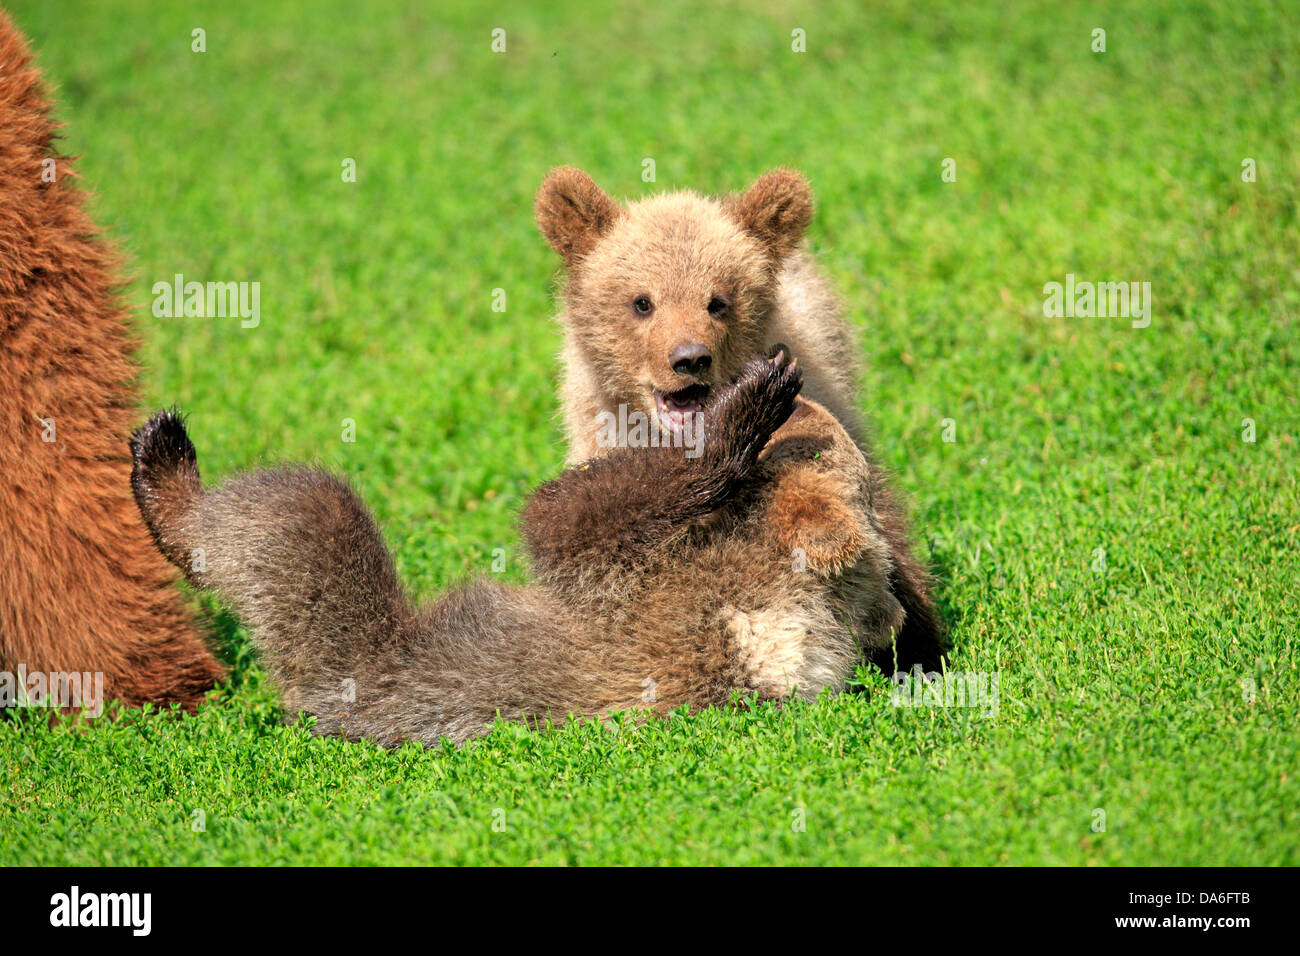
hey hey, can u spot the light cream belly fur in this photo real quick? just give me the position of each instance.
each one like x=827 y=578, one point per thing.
x=791 y=649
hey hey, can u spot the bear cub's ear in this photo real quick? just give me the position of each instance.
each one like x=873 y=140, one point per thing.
x=775 y=210
x=572 y=212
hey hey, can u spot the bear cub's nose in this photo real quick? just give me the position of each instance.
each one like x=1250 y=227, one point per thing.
x=693 y=359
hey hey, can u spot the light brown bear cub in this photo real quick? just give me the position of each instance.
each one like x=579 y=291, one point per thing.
x=667 y=296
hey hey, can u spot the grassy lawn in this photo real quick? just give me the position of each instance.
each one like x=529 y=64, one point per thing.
x=1109 y=543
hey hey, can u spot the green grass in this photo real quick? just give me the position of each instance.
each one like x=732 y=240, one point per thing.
x=1124 y=690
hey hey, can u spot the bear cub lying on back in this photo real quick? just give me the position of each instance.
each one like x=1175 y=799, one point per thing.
x=667 y=297
x=659 y=580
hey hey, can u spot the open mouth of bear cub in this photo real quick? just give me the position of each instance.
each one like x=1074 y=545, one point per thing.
x=673 y=407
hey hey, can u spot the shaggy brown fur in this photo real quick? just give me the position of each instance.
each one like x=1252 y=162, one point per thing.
x=660 y=580
x=81 y=586
x=666 y=296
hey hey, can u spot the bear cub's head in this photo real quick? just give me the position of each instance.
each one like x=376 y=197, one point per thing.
x=668 y=296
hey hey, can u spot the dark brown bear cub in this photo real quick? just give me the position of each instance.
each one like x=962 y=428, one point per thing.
x=660 y=579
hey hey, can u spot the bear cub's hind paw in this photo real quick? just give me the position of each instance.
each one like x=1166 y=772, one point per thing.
x=757 y=404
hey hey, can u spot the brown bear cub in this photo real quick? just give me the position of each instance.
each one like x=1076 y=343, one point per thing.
x=661 y=579
x=82 y=588
x=665 y=299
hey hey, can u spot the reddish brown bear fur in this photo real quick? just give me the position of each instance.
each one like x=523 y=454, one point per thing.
x=82 y=587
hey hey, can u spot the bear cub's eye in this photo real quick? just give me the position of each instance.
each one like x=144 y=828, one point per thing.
x=718 y=305
x=642 y=305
